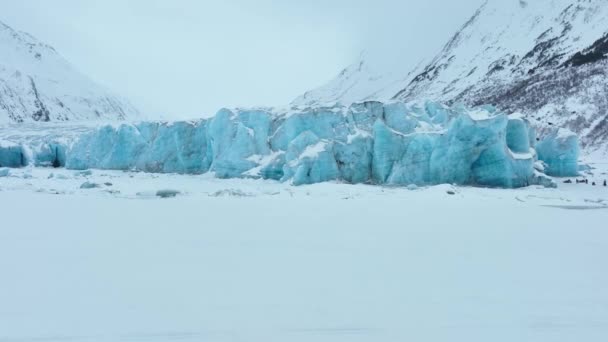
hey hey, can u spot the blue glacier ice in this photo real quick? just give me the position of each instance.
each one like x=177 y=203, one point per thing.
x=12 y=155
x=519 y=134
x=310 y=160
x=179 y=147
x=392 y=143
x=51 y=154
x=354 y=158
x=560 y=151
x=234 y=138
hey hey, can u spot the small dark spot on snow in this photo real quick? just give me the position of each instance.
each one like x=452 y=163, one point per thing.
x=167 y=193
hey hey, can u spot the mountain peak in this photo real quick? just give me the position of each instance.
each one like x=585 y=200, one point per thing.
x=38 y=84
x=545 y=58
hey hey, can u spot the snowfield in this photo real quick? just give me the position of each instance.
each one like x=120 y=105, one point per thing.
x=253 y=260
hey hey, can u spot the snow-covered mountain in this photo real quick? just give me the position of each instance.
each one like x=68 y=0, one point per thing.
x=38 y=84
x=545 y=58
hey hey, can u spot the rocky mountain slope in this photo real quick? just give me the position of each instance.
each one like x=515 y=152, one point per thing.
x=545 y=58
x=38 y=84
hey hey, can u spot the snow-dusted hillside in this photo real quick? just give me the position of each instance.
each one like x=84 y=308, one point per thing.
x=545 y=58
x=38 y=84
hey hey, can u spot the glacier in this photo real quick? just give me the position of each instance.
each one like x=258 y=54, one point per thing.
x=393 y=143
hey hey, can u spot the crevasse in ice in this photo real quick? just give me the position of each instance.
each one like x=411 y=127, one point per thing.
x=371 y=142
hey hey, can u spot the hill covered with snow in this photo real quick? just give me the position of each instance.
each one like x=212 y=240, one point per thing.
x=545 y=58
x=38 y=84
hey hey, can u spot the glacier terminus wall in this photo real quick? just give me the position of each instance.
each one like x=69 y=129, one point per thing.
x=371 y=142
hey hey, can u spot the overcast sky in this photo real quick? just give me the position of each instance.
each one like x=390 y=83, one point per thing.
x=187 y=58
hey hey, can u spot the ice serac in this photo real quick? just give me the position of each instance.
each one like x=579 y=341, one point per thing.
x=234 y=138
x=310 y=160
x=371 y=142
x=560 y=151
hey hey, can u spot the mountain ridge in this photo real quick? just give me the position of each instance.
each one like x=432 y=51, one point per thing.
x=37 y=84
x=546 y=59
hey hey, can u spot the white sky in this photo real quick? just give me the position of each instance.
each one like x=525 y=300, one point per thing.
x=186 y=58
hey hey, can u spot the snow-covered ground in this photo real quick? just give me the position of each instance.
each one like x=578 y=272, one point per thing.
x=251 y=260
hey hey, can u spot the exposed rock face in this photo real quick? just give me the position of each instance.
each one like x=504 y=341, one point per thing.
x=545 y=58
x=38 y=84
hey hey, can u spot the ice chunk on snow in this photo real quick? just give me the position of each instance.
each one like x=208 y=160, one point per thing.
x=89 y=185
x=168 y=193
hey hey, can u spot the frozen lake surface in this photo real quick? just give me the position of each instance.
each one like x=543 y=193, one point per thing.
x=251 y=260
